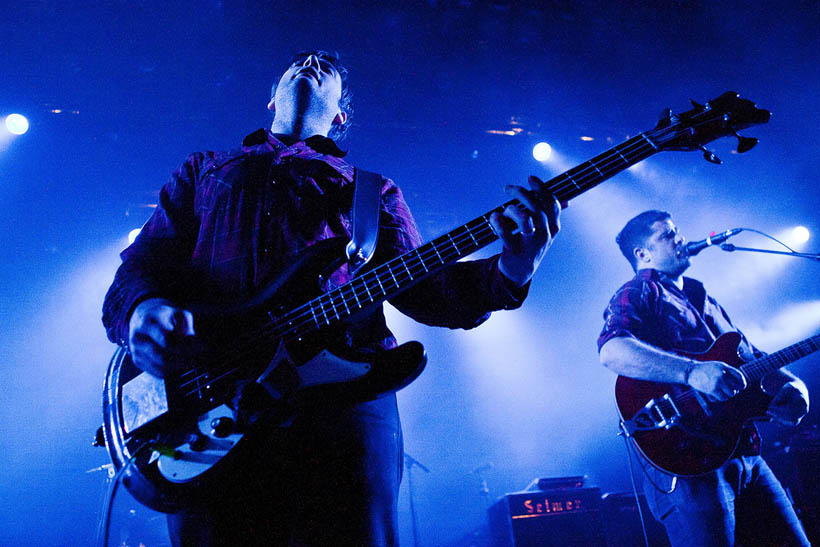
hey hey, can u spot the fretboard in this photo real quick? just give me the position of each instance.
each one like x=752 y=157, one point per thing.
x=757 y=369
x=392 y=277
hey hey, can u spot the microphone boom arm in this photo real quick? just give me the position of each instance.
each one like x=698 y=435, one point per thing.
x=729 y=247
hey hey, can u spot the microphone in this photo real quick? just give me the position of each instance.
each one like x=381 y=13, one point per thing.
x=694 y=247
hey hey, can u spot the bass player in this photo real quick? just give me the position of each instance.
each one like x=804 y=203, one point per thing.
x=234 y=219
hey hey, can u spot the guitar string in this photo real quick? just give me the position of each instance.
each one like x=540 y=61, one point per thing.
x=248 y=350
x=330 y=297
x=758 y=368
x=459 y=239
x=608 y=156
x=486 y=233
x=327 y=299
x=584 y=171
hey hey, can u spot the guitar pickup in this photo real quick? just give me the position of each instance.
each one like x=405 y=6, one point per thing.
x=656 y=414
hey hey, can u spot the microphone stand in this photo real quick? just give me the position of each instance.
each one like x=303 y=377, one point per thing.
x=411 y=462
x=728 y=247
x=484 y=489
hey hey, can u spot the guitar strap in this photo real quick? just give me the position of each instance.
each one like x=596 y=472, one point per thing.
x=365 y=220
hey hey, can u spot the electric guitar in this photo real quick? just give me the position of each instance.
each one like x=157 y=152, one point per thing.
x=174 y=438
x=681 y=432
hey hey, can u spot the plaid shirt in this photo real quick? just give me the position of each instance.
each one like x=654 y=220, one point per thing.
x=651 y=308
x=229 y=221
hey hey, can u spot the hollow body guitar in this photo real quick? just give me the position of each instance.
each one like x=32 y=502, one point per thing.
x=173 y=439
x=678 y=430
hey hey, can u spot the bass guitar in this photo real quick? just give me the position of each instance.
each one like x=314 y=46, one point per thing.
x=678 y=430
x=173 y=438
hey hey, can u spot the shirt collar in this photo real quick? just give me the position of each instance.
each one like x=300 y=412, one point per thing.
x=319 y=143
x=657 y=275
x=317 y=146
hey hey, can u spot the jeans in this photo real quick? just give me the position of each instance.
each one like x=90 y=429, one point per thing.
x=329 y=479
x=742 y=503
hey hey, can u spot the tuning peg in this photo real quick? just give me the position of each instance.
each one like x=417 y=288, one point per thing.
x=744 y=144
x=710 y=156
x=667 y=118
x=698 y=105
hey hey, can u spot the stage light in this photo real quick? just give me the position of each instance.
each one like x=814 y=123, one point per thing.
x=132 y=235
x=800 y=234
x=541 y=151
x=16 y=124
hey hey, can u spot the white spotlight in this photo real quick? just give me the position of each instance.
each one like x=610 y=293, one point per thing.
x=16 y=124
x=132 y=235
x=800 y=234
x=541 y=151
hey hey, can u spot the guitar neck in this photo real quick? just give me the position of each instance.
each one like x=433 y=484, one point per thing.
x=757 y=369
x=591 y=173
x=398 y=274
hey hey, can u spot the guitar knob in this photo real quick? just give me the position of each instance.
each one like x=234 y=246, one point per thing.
x=744 y=144
x=197 y=442
x=222 y=427
x=710 y=156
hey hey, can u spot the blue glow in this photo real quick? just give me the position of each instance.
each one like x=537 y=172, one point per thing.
x=525 y=390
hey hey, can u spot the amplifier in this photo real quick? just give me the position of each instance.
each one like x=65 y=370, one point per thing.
x=548 y=517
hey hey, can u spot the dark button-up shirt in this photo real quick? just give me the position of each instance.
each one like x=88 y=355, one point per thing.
x=651 y=308
x=229 y=221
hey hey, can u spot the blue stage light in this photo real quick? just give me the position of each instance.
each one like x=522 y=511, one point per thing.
x=800 y=234
x=541 y=151
x=132 y=235
x=16 y=124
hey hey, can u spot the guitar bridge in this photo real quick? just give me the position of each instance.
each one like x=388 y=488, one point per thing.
x=656 y=414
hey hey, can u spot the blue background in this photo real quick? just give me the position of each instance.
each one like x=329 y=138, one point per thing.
x=142 y=84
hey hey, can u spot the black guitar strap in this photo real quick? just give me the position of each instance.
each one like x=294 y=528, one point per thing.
x=365 y=230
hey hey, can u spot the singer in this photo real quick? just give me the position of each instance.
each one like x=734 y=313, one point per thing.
x=651 y=318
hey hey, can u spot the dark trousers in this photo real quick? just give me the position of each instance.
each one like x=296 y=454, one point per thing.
x=329 y=479
x=742 y=503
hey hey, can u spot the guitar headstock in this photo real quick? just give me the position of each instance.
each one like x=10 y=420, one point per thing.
x=720 y=117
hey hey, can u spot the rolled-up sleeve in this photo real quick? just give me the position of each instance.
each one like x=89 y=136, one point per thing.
x=627 y=313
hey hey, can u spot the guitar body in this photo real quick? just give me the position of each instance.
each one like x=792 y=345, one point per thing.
x=177 y=438
x=680 y=432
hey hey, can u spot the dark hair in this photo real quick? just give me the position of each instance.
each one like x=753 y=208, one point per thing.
x=337 y=131
x=636 y=232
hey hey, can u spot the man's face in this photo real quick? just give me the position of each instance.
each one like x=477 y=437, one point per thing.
x=310 y=86
x=664 y=250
